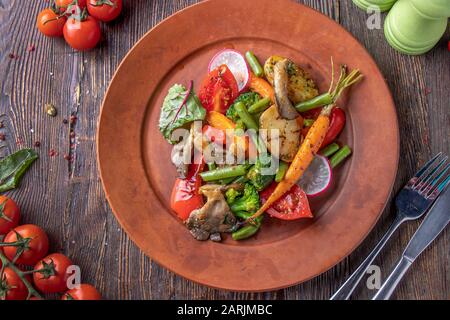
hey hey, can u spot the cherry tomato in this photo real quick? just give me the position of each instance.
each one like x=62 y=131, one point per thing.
x=185 y=193
x=53 y=277
x=218 y=90
x=50 y=24
x=9 y=214
x=337 y=124
x=11 y=286
x=103 y=10
x=63 y=5
x=293 y=205
x=214 y=135
x=83 y=292
x=36 y=246
x=82 y=35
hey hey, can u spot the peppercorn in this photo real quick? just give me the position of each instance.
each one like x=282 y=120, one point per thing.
x=51 y=110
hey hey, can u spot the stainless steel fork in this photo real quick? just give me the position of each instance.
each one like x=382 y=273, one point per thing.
x=412 y=202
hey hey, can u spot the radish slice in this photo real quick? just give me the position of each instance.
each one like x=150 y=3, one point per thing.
x=236 y=63
x=317 y=178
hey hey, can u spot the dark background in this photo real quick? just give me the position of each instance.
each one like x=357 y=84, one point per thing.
x=66 y=197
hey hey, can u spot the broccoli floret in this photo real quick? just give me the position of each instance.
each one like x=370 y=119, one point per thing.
x=248 y=202
x=231 y=195
x=248 y=99
x=260 y=181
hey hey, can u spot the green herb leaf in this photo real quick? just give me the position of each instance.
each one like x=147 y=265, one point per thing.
x=14 y=166
x=172 y=117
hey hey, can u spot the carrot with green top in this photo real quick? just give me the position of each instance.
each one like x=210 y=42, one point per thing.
x=310 y=146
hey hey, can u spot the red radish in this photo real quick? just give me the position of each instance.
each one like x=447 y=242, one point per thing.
x=317 y=178
x=236 y=63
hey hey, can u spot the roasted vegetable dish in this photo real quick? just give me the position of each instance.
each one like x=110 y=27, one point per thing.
x=254 y=140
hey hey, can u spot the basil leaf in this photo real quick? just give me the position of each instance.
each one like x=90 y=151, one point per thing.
x=14 y=166
x=172 y=117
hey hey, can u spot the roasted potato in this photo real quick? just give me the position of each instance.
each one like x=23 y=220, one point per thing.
x=289 y=135
x=301 y=87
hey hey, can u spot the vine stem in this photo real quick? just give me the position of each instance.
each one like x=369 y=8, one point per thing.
x=21 y=274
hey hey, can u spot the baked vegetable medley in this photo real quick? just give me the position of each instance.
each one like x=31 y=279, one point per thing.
x=253 y=141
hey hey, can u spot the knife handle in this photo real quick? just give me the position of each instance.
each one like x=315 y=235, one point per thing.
x=393 y=280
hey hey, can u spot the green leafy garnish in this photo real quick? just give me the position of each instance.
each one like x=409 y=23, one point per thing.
x=14 y=166
x=176 y=114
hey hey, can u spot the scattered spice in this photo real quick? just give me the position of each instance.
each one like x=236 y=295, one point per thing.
x=65 y=121
x=13 y=56
x=72 y=134
x=2 y=137
x=37 y=144
x=51 y=110
x=1 y=124
x=73 y=119
x=19 y=141
x=427 y=91
x=31 y=48
x=67 y=157
x=52 y=153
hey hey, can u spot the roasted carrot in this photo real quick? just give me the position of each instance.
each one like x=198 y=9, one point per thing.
x=262 y=87
x=307 y=150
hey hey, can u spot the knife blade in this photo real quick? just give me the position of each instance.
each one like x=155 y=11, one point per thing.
x=433 y=224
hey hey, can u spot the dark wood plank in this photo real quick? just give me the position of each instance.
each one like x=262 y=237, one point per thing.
x=67 y=199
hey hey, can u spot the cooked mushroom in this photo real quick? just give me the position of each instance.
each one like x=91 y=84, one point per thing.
x=280 y=83
x=182 y=153
x=214 y=217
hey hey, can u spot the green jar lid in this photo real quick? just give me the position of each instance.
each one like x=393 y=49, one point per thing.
x=384 y=5
x=409 y=32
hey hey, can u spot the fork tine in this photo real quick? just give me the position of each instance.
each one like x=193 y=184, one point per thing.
x=425 y=184
x=435 y=191
x=418 y=176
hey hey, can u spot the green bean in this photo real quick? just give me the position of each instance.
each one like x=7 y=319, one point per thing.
x=227 y=181
x=340 y=156
x=246 y=117
x=319 y=101
x=224 y=173
x=212 y=166
x=248 y=230
x=308 y=122
x=254 y=64
x=241 y=179
x=243 y=214
x=329 y=150
x=281 y=171
x=259 y=106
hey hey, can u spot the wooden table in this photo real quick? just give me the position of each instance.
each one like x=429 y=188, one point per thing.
x=66 y=197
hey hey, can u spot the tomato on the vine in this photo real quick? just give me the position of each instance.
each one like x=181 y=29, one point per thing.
x=9 y=214
x=83 y=292
x=63 y=5
x=52 y=276
x=31 y=240
x=104 y=10
x=11 y=286
x=82 y=34
x=50 y=23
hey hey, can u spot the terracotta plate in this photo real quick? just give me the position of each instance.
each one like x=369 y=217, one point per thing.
x=134 y=159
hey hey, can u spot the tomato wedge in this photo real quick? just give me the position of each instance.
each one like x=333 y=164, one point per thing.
x=218 y=90
x=293 y=205
x=337 y=124
x=185 y=193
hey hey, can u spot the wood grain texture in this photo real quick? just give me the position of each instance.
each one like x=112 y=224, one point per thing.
x=66 y=197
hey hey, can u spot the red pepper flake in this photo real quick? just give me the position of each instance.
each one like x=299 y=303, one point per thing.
x=52 y=153
x=31 y=48
x=427 y=91
x=37 y=144
x=19 y=141
x=73 y=119
x=2 y=137
x=72 y=134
